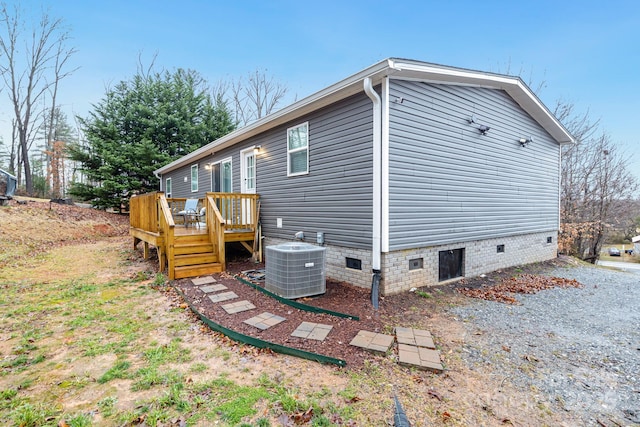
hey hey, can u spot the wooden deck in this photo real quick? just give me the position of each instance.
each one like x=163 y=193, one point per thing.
x=189 y=246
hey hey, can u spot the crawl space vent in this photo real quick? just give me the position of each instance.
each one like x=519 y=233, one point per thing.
x=295 y=270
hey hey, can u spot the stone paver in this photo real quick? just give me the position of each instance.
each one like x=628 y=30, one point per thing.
x=224 y=296
x=416 y=337
x=265 y=320
x=238 y=307
x=209 y=289
x=312 y=331
x=206 y=280
x=373 y=341
x=419 y=357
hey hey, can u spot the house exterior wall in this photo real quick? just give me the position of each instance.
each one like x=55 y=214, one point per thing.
x=449 y=187
x=334 y=198
x=449 y=183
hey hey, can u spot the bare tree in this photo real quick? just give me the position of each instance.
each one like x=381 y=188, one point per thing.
x=254 y=97
x=595 y=181
x=25 y=73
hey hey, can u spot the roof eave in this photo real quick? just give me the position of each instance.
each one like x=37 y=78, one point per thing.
x=402 y=68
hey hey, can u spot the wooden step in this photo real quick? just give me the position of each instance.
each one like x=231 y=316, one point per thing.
x=195 y=259
x=197 y=270
x=192 y=248
x=191 y=238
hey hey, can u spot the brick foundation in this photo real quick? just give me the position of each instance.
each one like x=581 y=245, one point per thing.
x=480 y=257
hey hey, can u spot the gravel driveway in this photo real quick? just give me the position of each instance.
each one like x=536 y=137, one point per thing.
x=577 y=349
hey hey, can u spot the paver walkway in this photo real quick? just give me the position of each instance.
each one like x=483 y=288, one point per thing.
x=205 y=280
x=372 y=341
x=238 y=307
x=420 y=357
x=213 y=288
x=265 y=320
x=415 y=346
x=312 y=331
x=224 y=296
x=416 y=337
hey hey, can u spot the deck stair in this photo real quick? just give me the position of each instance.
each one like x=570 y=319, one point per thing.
x=194 y=256
x=190 y=249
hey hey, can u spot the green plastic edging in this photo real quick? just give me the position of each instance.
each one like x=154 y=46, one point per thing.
x=296 y=304
x=257 y=342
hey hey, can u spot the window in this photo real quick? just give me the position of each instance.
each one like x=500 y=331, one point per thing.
x=194 y=178
x=298 y=150
x=549 y=239
x=167 y=187
x=500 y=249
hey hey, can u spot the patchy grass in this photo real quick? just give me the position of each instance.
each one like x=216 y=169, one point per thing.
x=91 y=335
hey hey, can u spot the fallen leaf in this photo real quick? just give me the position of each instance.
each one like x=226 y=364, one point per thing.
x=303 y=417
x=506 y=348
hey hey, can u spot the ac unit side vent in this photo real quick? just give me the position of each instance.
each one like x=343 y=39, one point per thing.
x=295 y=270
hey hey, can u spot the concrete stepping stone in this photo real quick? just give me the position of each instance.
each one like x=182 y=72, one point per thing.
x=312 y=331
x=224 y=296
x=238 y=307
x=206 y=280
x=265 y=320
x=213 y=288
x=419 y=357
x=416 y=337
x=373 y=341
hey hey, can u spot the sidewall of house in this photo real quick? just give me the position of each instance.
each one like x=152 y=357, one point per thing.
x=480 y=256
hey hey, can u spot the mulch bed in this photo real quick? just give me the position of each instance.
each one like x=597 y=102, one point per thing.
x=340 y=297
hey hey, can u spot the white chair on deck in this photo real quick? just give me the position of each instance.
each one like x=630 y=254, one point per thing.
x=190 y=212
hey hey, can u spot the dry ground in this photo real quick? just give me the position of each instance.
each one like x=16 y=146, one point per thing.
x=85 y=321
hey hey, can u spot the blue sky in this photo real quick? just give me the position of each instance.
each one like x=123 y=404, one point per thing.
x=586 y=52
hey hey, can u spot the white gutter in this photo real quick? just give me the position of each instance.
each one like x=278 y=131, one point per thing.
x=377 y=173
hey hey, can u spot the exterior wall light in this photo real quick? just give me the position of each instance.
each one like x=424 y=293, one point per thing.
x=525 y=141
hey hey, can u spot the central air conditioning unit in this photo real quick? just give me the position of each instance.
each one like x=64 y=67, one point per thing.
x=295 y=270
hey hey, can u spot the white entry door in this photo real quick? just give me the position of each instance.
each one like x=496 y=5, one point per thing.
x=247 y=181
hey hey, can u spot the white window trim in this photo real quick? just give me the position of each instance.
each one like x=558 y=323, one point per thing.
x=168 y=183
x=194 y=181
x=296 y=150
x=243 y=171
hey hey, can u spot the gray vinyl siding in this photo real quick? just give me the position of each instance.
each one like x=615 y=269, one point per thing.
x=182 y=187
x=335 y=197
x=448 y=183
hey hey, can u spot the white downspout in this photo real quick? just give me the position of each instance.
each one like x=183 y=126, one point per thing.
x=159 y=179
x=377 y=186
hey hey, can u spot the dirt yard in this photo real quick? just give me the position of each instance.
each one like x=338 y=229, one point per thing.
x=92 y=335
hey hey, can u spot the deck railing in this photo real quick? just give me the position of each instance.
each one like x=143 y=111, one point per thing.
x=229 y=217
x=239 y=211
x=143 y=211
x=167 y=227
x=216 y=227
